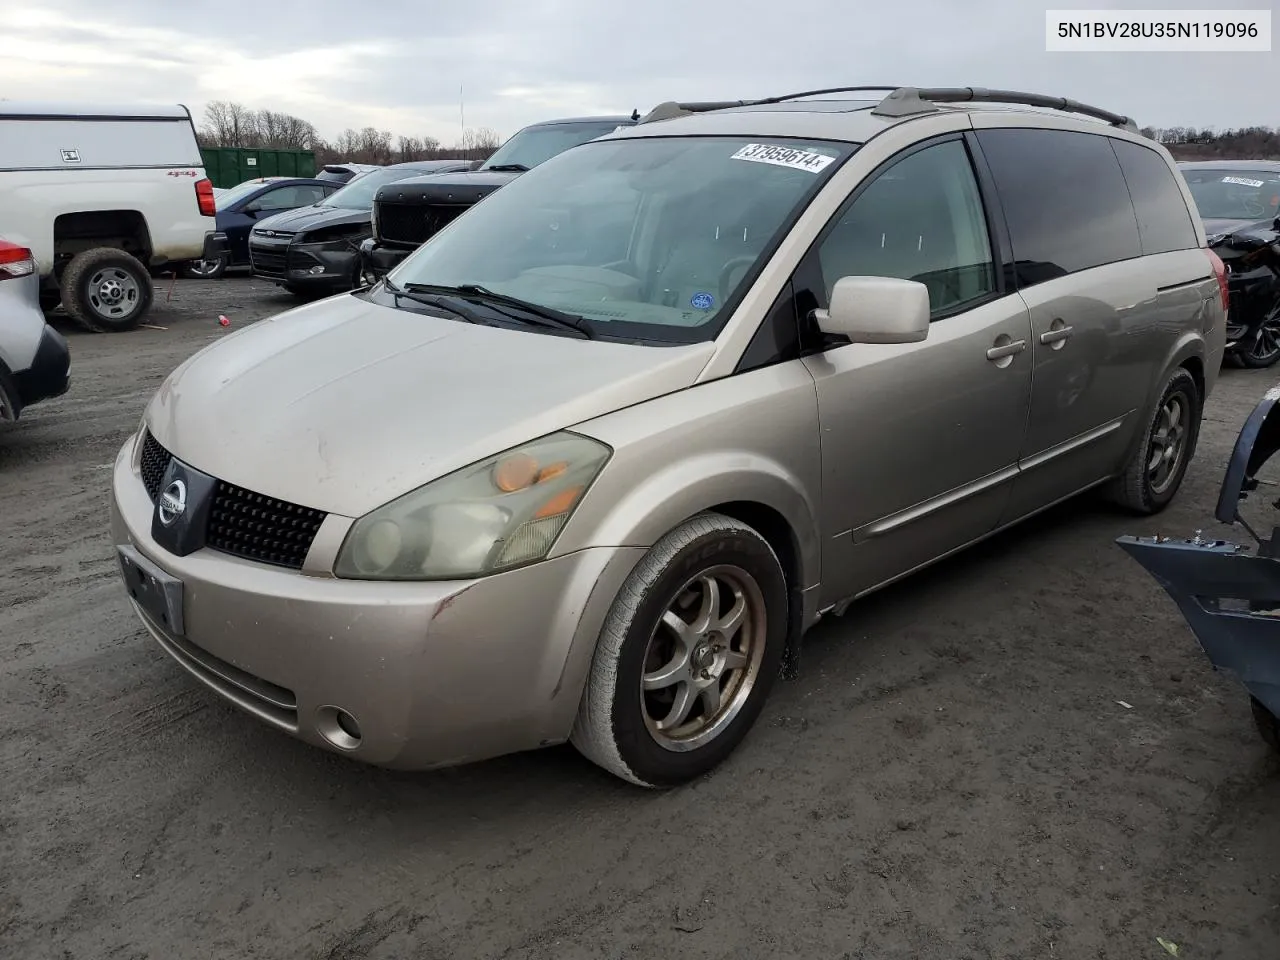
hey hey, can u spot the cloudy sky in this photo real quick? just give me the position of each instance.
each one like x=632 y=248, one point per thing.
x=399 y=64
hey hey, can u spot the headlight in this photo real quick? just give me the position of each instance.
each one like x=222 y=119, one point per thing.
x=373 y=220
x=500 y=513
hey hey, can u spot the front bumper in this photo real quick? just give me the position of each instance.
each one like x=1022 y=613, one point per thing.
x=379 y=259
x=49 y=375
x=434 y=674
x=332 y=265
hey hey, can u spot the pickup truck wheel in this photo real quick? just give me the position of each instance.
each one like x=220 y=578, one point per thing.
x=1165 y=447
x=687 y=656
x=205 y=269
x=106 y=290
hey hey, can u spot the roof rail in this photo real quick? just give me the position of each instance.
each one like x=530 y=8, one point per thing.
x=908 y=101
x=669 y=109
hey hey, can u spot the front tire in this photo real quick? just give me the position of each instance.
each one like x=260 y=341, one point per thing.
x=687 y=656
x=106 y=290
x=1165 y=448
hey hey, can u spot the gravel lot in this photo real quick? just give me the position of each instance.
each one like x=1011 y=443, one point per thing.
x=950 y=777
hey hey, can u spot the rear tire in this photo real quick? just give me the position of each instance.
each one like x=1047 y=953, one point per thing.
x=687 y=656
x=1154 y=473
x=205 y=269
x=106 y=290
x=1267 y=723
x=1263 y=349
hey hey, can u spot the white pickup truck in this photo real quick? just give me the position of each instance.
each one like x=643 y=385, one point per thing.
x=103 y=197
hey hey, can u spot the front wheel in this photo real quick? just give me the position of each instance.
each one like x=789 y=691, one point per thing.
x=1159 y=462
x=1263 y=348
x=687 y=656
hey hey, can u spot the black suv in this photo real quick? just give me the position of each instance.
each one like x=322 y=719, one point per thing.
x=407 y=213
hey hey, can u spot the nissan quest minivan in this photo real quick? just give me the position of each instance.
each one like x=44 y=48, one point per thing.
x=588 y=463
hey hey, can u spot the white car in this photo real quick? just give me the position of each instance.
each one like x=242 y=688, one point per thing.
x=34 y=359
x=102 y=196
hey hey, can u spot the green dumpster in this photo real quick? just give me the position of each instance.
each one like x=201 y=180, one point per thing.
x=228 y=166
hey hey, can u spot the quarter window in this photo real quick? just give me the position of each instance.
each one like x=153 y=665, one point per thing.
x=1164 y=223
x=921 y=219
x=1064 y=199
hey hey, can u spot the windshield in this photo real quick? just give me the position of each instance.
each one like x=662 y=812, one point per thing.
x=534 y=145
x=357 y=193
x=231 y=194
x=1235 y=194
x=646 y=239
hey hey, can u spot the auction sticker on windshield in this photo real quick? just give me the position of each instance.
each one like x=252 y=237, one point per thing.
x=1243 y=181
x=783 y=157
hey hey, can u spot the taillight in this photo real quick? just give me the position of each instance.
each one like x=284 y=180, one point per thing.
x=1220 y=273
x=15 y=261
x=204 y=197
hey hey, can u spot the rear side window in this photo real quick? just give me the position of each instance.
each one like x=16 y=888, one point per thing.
x=1164 y=222
x=1064 y=198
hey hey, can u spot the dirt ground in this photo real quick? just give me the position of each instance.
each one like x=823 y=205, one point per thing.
x=952 y=776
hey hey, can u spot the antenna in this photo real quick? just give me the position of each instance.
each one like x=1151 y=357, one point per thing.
x=462 y=109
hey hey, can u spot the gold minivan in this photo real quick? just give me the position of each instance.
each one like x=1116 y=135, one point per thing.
x=588 y=463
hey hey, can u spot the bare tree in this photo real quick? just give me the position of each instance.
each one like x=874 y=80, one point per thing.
x=478 y=144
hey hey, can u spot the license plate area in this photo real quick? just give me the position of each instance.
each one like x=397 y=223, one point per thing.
x=159 y=594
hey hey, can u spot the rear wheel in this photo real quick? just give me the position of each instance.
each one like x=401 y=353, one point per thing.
x=1159 y=462
x=205 y=269
x=106 y=290
x=687 y=656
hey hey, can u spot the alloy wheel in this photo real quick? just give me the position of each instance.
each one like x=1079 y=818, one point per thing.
x=1168 y=443
x=703 y=658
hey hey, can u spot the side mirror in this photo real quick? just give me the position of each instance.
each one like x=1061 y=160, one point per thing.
x=877 y=310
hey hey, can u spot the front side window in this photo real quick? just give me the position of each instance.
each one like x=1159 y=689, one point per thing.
x=1235 y=194
x=645 y=238
x=534 y=145
x=921 y=219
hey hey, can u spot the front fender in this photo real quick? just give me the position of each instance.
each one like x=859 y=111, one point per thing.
x=751 y=438
x=665 y=499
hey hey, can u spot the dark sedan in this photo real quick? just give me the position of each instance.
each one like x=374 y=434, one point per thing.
x=1239 y=201
x=314 y=251
x=409 y=213
x=240 y=207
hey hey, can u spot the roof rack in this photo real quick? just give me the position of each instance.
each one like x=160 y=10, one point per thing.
x=671 y=108
x=904 y=102
x=908 y=101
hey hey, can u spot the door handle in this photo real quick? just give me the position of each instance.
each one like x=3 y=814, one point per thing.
x=1056 y=335
x=1006 y=350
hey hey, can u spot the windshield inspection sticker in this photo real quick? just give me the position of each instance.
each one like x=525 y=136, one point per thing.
x=783 y=157
x=1243 y=181
x=703 y=301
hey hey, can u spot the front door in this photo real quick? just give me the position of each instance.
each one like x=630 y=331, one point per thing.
x=919 y=441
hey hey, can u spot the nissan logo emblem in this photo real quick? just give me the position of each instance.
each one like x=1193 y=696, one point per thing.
x=173 y=501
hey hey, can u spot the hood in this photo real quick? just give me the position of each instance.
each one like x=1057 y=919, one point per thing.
x=343 y=405
x=310 y=218
x=1215 y=227
x=454 y=188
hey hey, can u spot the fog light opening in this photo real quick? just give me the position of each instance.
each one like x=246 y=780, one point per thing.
x=339 y=727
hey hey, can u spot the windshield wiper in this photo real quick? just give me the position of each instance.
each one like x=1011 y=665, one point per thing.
x=521 y=310
x=509 y=168
x=429 y=298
